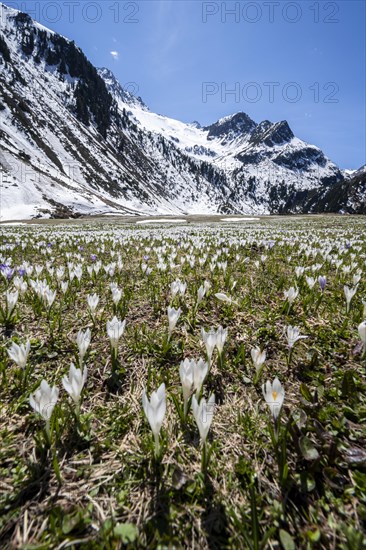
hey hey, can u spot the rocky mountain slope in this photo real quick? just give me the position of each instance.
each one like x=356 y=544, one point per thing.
x=73 y=141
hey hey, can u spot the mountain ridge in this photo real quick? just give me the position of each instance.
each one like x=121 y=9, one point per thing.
x=74 y=142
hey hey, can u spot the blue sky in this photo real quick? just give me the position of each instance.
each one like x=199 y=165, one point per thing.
x=300 y=61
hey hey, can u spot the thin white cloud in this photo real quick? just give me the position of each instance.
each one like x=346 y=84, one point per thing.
x=115 y=55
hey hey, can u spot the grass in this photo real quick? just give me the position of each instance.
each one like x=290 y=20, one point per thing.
x=98 y=484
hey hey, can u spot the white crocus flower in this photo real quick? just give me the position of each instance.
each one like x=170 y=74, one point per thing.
x=224 y=298
x=83 y=340
x=258 y=358
x=19 y=354
x=11 y=300
x=274 y=394
x=93 y=301
x=20 y=285
x=291 y=294
x=64 y=286
x=209 y=339
x=116 y=295
x=173 y=316
x=60 y=272
x=200 y=294
x=43 y=401
x=155 y=409
x=203 y=413
x=192 y=375
x=115 y=330
x=74 y=383
x=349 y=293
x=310 y=281
x=49 y=297
x=207 y=286
x=174 y=288
x=293 y=335
x=200 y=371
x=221 y=336
x=362 y=333
x=182 y=288
x=187 y=381
x=299 y=271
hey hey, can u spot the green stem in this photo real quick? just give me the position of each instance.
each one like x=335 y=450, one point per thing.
x=255 y=523
x=48 y=433
x=157 y=445
x=204 y=459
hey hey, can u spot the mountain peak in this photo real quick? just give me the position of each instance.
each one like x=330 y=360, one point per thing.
x=272 y=134
x=231 y=127
x=118 y=91
x=20 y=19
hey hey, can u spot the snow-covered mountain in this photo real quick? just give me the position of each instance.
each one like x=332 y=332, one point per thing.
x=73 y=141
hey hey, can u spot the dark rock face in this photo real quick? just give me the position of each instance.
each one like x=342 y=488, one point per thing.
x=300 y=160
x=249 y=158
x=272 y=134
x=231 y=127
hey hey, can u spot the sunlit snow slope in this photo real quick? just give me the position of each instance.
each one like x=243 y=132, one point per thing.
x=73 y=142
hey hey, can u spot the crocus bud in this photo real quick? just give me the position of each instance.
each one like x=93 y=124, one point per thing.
x=362 y=333
x=93 y=300
x=43 y=401
x=74 y=383
x=221 y=336
x=155 y=409
x=209 y=339
x=115 y=330
x=258 y=358
x=83 y=341
x=173 y=316
x=203 y=414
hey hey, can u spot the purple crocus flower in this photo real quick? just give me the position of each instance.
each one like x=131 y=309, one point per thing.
x=93 y=257
x=322 y=282
x=21 y=272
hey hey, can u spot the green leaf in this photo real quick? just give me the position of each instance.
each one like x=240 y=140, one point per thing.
x=127 y=532
x=360 y=481
x=307 y=482
x=348 y=385
x=308 y=449
x=305 y=392
x=286 y=540
x=72 y=522
x=313 y=534
x=300 y=417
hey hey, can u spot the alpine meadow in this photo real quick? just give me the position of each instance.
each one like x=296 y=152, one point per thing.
x=182 y=304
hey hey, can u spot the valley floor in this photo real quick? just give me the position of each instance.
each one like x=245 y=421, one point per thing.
x=78 y=466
